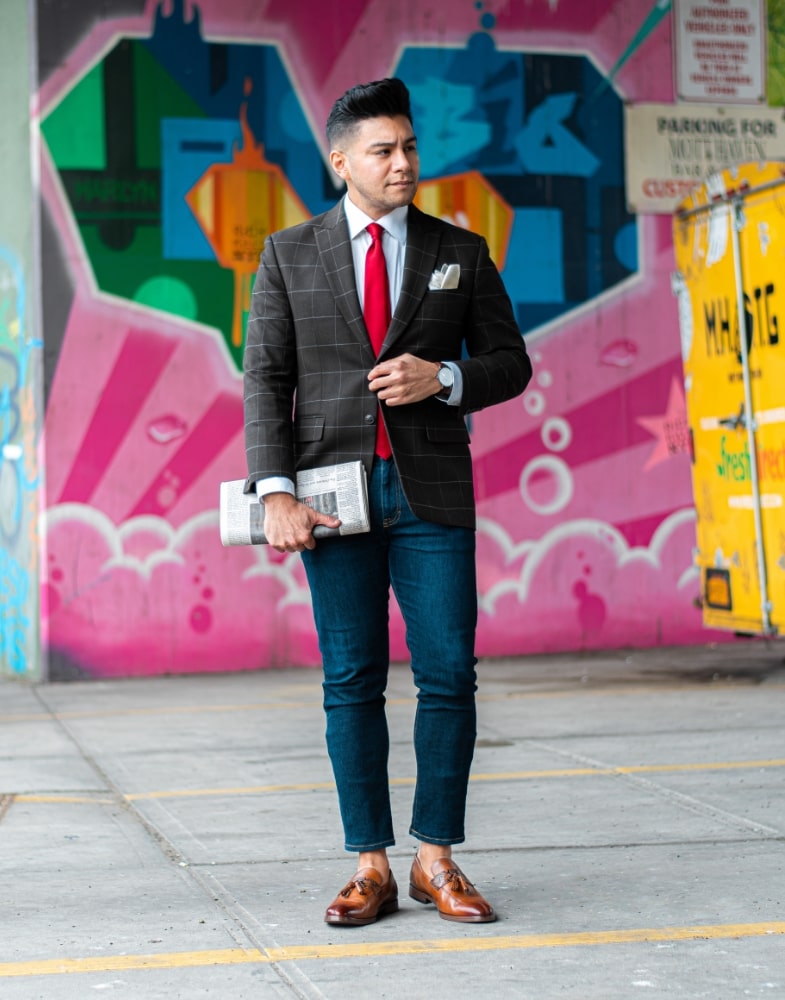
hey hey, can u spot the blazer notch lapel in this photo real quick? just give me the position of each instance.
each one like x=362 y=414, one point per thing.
x=335 y=255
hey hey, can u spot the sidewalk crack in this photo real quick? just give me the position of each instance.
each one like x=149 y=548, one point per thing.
x=6 y=801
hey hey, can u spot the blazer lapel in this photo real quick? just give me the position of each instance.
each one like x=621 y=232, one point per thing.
x=335 y=254
x=422 y=248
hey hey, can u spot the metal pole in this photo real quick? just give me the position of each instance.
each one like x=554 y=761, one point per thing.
x=730 y=196
x=737 y=223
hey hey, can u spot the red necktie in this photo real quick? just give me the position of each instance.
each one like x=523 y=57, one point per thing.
x=377 y=313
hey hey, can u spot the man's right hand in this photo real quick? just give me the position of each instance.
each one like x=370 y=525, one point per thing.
x=289 y=524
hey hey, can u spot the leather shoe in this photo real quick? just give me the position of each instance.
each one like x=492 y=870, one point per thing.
x=454 y=895
x=363 y=900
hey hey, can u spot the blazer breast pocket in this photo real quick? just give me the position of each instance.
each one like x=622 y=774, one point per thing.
x=446 y=306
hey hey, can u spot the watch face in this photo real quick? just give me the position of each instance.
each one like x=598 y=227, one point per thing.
x=446 y=377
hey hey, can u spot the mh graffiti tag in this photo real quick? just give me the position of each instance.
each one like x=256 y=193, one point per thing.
x=722 y=327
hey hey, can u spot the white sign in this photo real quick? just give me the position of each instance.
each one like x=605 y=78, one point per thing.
x=671 y=148
x=720 y=50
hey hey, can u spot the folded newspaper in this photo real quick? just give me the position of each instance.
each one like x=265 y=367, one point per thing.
x=340 y=490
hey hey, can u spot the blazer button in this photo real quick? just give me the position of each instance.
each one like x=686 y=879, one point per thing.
x=370 y=418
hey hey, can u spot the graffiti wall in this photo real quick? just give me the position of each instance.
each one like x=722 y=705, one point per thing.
x=20 y=368
x=174 y=136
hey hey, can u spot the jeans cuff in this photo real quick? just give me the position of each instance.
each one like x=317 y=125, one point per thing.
x=370 y=847
x=437 y=841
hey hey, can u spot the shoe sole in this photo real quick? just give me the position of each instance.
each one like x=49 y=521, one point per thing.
x=419 y=895
x=423 y=897
x=389 y=907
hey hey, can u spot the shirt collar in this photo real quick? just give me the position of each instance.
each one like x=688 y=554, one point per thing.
x=394 y=222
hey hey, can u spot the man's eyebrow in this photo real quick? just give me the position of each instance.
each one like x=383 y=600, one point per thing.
x=392 y=142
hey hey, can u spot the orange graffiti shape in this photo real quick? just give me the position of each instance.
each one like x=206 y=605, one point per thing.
x=238 y=205
x=469 y=201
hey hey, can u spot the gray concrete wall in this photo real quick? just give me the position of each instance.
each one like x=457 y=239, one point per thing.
x=21 y=408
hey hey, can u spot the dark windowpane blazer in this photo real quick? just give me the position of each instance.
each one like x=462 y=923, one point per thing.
x=307 y=358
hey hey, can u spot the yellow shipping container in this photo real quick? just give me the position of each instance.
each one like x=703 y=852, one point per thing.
x=729 y=242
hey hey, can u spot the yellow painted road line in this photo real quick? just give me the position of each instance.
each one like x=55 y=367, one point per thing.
x=726 y=765
x=573 y=772
x=124 y=963
x=577 y=772
x=300 y=953
x=318 y=786
x=186 y=793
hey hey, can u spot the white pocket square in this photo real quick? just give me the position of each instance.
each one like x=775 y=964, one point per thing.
x=447 y=277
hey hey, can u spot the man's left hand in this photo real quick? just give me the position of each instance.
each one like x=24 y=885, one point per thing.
x=405 y=379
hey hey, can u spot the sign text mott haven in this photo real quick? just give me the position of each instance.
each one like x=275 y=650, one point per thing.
x=670 y=149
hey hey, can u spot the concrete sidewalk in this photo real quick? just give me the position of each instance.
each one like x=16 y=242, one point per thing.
x=179 y=837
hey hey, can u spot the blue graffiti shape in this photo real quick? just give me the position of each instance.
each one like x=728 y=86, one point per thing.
x=9 y=397
x=545 y=146
x=14 y=622
x=15 y=592
x=14 y=481
x=454 y=128
x=553 y=157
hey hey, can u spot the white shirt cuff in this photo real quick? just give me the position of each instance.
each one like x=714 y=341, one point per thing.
x=456 y=395
x=274 y=484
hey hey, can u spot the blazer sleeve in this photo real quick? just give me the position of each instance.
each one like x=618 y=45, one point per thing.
x=498 y=367
x=270 y=374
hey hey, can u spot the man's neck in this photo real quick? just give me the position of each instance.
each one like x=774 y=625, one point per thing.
x=359 y=219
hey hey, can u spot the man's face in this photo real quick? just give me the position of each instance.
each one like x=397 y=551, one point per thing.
x=380 y=165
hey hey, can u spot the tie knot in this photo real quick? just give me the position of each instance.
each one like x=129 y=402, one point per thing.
x=376 y=231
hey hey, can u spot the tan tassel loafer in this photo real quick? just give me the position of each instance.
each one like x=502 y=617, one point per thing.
x=363 y=900
x=454 y=895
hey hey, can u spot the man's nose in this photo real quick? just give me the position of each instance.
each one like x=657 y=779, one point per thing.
x=400 y=160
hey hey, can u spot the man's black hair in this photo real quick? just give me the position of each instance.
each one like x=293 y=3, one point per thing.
x=386 y=98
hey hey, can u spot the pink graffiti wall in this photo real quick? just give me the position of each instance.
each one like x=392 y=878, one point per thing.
x=586 y=526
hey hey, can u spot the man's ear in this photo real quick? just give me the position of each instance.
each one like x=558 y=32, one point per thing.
x=339 y=164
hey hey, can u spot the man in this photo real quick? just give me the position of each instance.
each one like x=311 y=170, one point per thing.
x=318 y=393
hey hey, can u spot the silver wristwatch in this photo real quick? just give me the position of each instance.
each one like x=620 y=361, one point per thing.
x=446 y=378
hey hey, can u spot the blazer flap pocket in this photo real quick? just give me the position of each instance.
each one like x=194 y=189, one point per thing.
x=448 y=435
x=309 y=428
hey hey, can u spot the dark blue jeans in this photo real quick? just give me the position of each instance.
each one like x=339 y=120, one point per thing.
x=431 y=568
